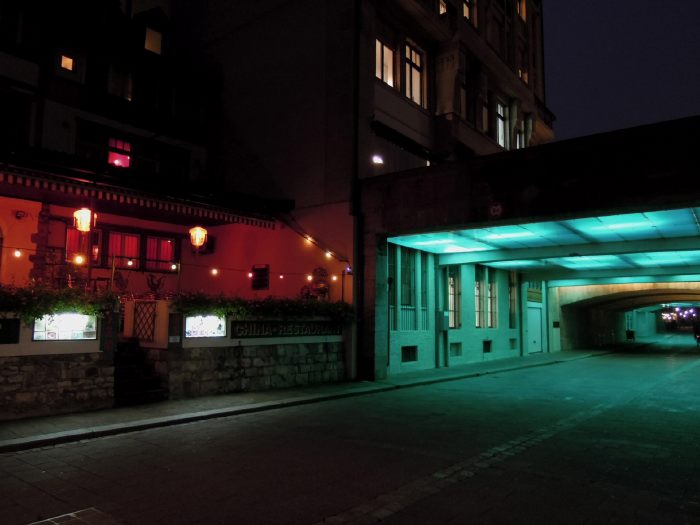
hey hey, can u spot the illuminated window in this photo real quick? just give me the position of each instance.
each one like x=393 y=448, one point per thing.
x=415 y=75
x=479 y=302
x=120 y=84
x=502 y=125
x=492 y=299
x=119 y=153
x=160 y=253
x=521 y=6
x=123 y=250
x=77 y=243
x=442 y=7
x=67 y=62
x=454 y=297
x=469 y=11
x=384 y=67
x=154 y=41
x=65 y=327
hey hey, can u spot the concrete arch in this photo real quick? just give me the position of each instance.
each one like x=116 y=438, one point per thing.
x=593 y=316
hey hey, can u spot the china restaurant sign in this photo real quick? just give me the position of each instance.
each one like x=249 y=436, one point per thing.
x=250 y=329
x=214 y=326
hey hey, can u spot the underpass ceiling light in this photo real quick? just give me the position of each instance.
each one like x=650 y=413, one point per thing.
x=377 y=160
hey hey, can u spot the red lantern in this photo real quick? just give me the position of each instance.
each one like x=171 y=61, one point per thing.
x=198 y=236
x=84 y=219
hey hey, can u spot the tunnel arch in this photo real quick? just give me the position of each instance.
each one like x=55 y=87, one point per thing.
x=594 y=316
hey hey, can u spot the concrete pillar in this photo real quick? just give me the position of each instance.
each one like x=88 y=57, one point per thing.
x=381 y=308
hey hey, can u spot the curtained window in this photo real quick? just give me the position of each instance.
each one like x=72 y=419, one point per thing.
x=160 y=253
x=123 y=249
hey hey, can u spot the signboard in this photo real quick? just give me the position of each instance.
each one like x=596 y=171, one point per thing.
x=251 y=329
x=205 y=326
x=65 y=327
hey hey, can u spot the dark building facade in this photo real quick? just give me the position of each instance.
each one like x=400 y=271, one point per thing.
x=328 y=93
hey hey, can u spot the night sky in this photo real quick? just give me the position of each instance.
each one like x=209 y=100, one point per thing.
x=613 y=64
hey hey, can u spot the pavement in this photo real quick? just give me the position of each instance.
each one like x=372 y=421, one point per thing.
x=32 y=433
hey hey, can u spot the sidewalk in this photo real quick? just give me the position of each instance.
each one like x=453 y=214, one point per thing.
x=52 y=430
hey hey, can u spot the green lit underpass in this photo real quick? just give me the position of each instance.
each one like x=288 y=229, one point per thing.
x=605 y=278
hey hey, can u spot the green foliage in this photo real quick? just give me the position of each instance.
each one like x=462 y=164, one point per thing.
x=203 y=304
x=34 y=302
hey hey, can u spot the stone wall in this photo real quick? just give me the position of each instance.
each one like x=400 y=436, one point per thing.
x=51 y=384
x=196 y=372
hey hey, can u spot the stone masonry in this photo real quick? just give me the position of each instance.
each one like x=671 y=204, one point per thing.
x=206 y=371
x=52 y=384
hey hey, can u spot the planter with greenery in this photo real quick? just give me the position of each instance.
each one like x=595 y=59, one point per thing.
x=33 y=302
x=190 y=304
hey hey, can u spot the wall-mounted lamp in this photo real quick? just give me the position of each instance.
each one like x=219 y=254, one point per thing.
x=84 y=219
x=198 y=236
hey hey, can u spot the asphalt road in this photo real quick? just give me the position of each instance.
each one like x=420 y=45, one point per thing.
x=609 y=439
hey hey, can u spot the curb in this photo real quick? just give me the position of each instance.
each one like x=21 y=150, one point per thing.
x=72 y=436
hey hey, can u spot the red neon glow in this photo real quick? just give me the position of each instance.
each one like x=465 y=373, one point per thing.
x=119 y=159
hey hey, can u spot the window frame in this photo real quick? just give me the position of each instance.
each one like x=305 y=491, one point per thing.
x=408 y=277
x=121 y=149
x=159 y=264
x=479 y=298
x=94 y=242
x=502 y=131
x=121 y=260
x=411 y=66
x=521 y=9
x=382 y=51
x=454 y=296
x=120 y=83
x=491 y=298
x=512 y=299
x=150 y=44
x=469 y=12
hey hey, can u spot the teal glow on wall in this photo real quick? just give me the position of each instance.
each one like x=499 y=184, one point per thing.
x=503 y=246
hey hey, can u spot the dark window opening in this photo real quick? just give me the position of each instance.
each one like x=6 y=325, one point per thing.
x=409 y=354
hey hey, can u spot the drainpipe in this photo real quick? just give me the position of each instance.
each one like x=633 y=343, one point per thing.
x=355 y=201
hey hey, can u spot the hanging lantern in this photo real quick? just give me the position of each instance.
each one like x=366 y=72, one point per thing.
x=198 y=236
x=84 y=219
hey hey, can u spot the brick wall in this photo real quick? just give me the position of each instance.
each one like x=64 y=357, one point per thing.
x=207 y=371
x=51 y=384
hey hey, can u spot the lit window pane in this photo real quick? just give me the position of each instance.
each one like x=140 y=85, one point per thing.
x=416 y=87
x=119 y=159
x=66 y=62
x=388 y=66
x=154 y=41
x=378 y=59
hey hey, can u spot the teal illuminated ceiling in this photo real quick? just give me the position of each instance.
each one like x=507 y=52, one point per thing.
x=632 y=242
